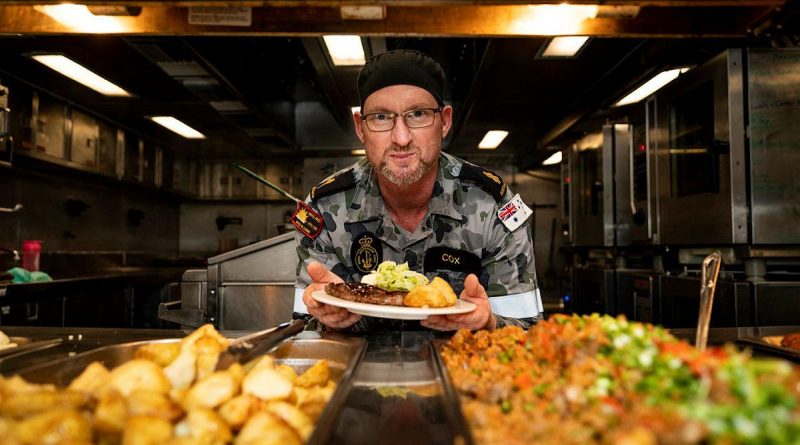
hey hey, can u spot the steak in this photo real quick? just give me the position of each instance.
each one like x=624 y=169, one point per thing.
x=365 y=293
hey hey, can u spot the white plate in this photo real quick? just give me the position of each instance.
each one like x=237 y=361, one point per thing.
x=396 y=312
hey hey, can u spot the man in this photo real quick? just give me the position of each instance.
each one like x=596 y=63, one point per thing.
x=408 y=202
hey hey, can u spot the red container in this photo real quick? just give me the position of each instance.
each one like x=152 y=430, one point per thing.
x=31 y=251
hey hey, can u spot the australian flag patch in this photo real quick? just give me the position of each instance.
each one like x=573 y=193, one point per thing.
x=514 y=213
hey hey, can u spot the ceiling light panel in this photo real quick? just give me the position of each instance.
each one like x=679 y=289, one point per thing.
x=564 y=46
x=492 y=139
x=651 y=86
x=345 y=50
x=555 y=158
x=80 y=74
x=175 y=125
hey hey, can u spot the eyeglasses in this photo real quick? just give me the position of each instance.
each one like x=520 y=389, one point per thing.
x=384 y=121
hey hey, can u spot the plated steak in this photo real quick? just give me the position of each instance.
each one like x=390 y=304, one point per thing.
x=365 y=293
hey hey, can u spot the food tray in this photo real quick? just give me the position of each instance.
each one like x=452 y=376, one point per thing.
x=451 y=396
x=770 y=345
x=26 y=344
x=342 y=353
x=297 y=353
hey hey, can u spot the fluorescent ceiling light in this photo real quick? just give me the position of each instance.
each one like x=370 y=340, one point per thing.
x=492 y=139
x=555 y=158
x=80 y=74
x=345 y=50
x=79 y=18
x=554 y=20
x=355 y=110
x=651 y=86
x=358 y=152
x=565 y=46
x=177 y=126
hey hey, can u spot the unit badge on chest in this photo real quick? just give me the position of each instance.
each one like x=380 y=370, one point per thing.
x=366 y=252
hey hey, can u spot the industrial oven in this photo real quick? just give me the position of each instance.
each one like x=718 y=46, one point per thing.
x=245 y=289
x=727 y=149
x=595 y=188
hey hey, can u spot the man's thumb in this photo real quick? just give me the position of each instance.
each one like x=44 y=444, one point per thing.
x=472 y=287
x=319 y=274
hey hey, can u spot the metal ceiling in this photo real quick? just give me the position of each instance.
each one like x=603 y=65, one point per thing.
x=270 y=89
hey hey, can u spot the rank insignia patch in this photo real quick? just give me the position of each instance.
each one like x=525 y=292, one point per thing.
x=489 y=181
x=366 y=252
x=307 y=220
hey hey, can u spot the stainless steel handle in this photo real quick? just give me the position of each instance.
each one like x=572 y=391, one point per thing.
x=630 y=169
x=254 y=345
x=708 y=284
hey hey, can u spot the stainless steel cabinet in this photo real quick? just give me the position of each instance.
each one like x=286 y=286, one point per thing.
x=84 y=139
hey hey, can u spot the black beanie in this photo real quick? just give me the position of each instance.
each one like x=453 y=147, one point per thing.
x=401 y=67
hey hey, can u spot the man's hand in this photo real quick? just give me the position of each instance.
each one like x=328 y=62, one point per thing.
x=331 y=316
x=480 y=318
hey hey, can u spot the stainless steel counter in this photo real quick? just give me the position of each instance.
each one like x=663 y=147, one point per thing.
x=21 y=292
x=398 y=392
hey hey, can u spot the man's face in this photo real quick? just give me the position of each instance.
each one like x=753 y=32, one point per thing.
x=403 y=155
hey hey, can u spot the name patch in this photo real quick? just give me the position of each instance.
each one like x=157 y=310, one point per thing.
x=307 y=220
x=448 y=258
x=366 y=252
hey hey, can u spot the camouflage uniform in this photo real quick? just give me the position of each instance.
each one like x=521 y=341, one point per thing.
x=461 y=233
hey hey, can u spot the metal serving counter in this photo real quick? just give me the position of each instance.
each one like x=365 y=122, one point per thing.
x=395 y=389
x=398 y=389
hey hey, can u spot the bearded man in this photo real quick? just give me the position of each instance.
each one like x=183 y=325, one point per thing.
x=409 y=202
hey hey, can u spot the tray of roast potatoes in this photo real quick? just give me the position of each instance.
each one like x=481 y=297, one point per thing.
x=172 y=392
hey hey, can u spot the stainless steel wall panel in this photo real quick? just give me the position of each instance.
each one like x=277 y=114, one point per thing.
x=133 y=158
x=20 y=101
x=774 y=110
x=587 y=204
x=148 y=165
x=594 y=291
x=185 y=175
x=253 y=286
x=622 y=218
x=106 y=149
x=609 y=186
x=680 y=303
x=242 y=186
x=252 y=307
x=50 y=126
x=777 y=303
x=84 y=139
x=157 y=232
x=270 y=261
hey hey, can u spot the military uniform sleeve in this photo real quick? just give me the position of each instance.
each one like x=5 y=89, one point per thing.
x=320 y=249
x=509 y=275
